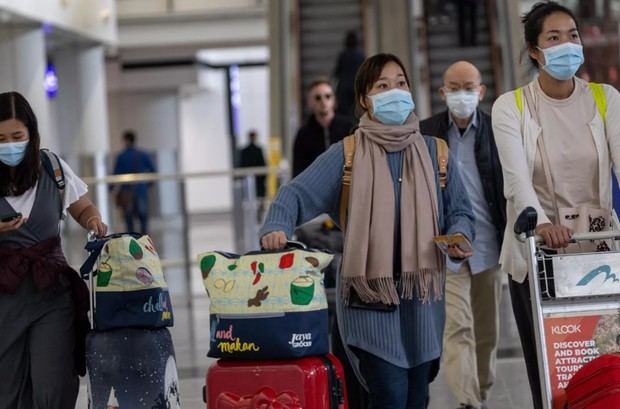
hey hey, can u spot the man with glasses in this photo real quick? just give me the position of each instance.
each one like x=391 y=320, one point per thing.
x=323 y=127
x=473 y=287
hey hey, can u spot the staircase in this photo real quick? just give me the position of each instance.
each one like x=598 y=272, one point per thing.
x=444 y=49
x=323 y=25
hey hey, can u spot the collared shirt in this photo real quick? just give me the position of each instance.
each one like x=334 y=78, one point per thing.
x=485 y=246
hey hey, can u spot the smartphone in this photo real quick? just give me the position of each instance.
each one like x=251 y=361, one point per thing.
x=356 y=302
x=10 y=217
x=443 y=242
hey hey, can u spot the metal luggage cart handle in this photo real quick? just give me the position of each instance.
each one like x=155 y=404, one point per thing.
x=577 y=237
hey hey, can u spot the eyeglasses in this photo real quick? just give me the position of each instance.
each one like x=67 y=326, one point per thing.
x=319 y=97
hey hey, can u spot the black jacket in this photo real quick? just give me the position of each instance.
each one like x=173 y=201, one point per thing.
x=487 y=159
x=312 y=140
x=250 y=156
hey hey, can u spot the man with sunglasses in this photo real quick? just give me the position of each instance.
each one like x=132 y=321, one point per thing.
x=323 y=127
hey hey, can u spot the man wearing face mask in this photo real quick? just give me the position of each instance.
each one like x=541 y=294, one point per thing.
x=323 y=128
x=473 y=288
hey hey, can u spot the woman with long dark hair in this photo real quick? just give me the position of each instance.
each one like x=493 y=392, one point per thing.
x=42 y=300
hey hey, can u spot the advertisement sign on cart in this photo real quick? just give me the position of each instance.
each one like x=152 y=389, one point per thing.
x=575 y=339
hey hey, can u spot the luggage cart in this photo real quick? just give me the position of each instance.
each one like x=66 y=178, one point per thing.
x=574 y=299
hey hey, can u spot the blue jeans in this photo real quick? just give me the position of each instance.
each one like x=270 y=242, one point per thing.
x=139 y=209
x=393 y=387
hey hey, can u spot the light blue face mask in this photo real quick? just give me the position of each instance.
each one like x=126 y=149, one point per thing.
x=563 y=60
x=392 y=107
x=11 y=154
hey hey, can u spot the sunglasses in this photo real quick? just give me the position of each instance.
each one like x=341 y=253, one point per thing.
x=319 y=97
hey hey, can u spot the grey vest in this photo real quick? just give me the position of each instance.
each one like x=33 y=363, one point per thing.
x=44 y=220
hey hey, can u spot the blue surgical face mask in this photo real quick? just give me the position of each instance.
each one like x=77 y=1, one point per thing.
x=563 y=60
x=392 y=107
x=11 y=154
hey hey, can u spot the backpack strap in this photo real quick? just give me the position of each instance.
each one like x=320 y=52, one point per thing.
x=442 y=161
x=53 y=168
x=598 y=92
x=348 y=144
x=519 y=99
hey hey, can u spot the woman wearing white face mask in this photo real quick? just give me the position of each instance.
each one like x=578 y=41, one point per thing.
x=390 y=307
x=557 y=138
x=43 y=302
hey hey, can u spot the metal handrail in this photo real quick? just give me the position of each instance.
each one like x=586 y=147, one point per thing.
x=130 y=178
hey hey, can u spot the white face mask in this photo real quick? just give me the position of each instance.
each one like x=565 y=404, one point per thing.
x=462 y=104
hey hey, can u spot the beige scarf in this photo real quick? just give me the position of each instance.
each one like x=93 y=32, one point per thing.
x=369 y=241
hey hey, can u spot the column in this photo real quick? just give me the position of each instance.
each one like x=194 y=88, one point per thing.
x=82 y=112
x=23 y=68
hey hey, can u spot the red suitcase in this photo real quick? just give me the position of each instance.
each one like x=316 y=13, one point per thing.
x=307 y=383
x=596 y=385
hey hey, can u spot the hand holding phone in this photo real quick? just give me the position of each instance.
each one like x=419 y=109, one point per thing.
x=5 y=218
x=454 y=245
x=12 y=221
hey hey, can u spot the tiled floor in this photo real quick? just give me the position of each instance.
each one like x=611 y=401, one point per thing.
x=191 y=335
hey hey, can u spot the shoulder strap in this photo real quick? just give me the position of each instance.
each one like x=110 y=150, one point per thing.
x=519 y=99
x=348 y=144
x=442 y=161
x=598 y=92
x=53 y=168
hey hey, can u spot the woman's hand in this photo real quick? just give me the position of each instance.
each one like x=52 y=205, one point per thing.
x=12 y=224
x=555 y=236
x=454 y=251
x=96 y=225
x=274 y=240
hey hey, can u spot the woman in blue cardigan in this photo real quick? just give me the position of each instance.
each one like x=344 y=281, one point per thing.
x=390 y=305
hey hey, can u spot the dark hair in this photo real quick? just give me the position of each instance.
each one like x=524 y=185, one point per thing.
x=534 y=19
x=368 y=73
x=351 y=40
x=14 y=106
x=318 y=81
x=129 y=137
x=252 y=134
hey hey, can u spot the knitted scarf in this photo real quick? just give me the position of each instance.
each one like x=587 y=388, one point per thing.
x=369 y=240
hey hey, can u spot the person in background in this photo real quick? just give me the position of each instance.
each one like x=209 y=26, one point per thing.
x=132 y=199
x=252 y=156
x=43 y=301
x=467 y=13
x=349 y=60
x=473 y=287
x=323 y=128
x=390 y=290
x=556 y=148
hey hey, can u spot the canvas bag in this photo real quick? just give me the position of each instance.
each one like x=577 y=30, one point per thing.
x=266 y=304
x=127 y=283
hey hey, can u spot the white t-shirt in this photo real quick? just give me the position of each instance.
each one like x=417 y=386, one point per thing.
x=74 y=189
x=571 y=150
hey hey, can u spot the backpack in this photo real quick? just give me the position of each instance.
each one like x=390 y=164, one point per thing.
x=349 y=152
x=52 y=166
